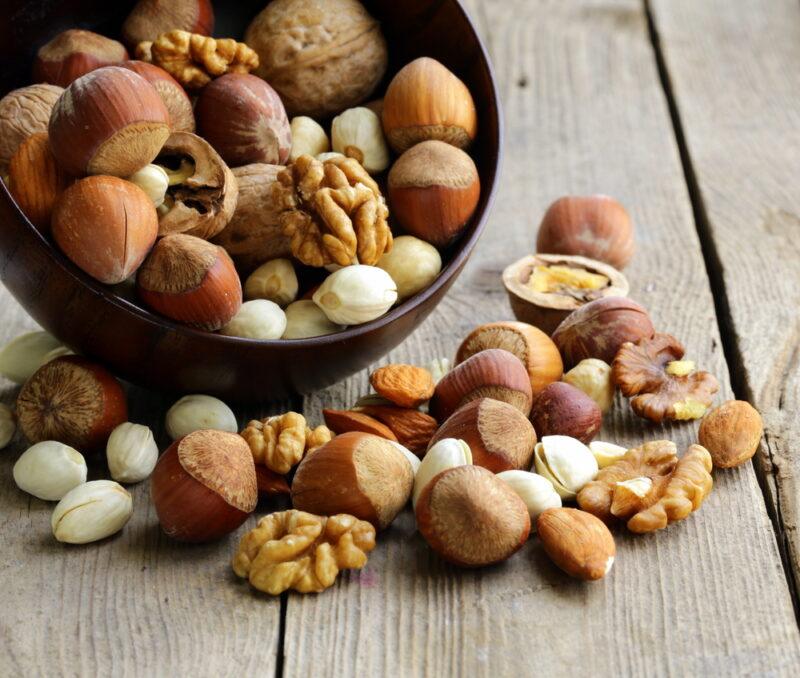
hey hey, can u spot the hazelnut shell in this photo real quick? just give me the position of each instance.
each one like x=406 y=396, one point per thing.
x=731 y=433
x=562 y=409
x=74 y=53
x=175 y=98
x=150 y=18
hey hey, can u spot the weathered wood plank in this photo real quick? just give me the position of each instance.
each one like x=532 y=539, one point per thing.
x=740 y=120
x=585 y=113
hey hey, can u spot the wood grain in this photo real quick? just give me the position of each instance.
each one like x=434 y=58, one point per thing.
x=740 y=122
x=585 y=113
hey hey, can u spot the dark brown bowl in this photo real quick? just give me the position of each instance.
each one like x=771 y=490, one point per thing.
x=152 y=351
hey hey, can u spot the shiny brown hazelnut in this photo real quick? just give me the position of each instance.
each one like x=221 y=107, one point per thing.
x=175 y=98
x=561 y=409
x=150 y=18
x=74 y=53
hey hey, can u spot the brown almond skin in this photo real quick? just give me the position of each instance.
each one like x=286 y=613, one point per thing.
x=578 y=542
x=345 y=421
x=493 y=373
x=412 y=427
x=563 y=409
x=499 y=436
x=731 y=433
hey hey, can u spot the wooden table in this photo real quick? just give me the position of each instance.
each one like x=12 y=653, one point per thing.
x=688 y=111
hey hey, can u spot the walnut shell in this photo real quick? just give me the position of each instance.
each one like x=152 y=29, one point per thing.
x=321 y=57
x=23 y=112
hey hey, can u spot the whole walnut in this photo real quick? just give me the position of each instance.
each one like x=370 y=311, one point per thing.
x=322 y=56
x=23 y=112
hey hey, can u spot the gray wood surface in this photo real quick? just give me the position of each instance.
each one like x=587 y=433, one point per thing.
x=585 y=112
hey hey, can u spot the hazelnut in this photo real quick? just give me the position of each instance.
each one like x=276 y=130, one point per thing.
x=74 y=53
x=106 y=226
x=337 y=62
x=426 y=101
x=433 y=191
x=91 y=512
x=23 y=112
x=593 y=377
x=543 y=289
x=532 y=346
x=593 y=226
x=578 y=542
x=536 y=491
x=472 y=518
x=204 y=486
x=175 y=98
x=73 y=401
x=190 y=280
x=499 y=436
x=49 y=469
x=196 y=412
x=305 y=319
x=22 y=356
x=561 y=409
x=257 y=319
x=445 y=454
x=599 y=328
x=35 y=180
x=131 y=453
x=356 y=294
x=308 y=138
x=8 y=425
x=357 y=133
x=97 y=116
x=275 y=280
x=150 y=18
x=355 y=473
x=731 y=433
x=412 y=263
x=565 y=462
x=493 y=373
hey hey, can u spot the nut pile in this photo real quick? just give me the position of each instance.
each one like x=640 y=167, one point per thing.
x=201 y=169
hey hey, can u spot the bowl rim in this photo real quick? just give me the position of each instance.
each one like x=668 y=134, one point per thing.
x=162 y=323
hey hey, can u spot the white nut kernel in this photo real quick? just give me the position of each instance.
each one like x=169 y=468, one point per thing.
x=56 y=353
x=275 y=281
x=197 y=412
x=565 y=462
x=358 y=133
x=48 y=470
x=606 y=453
x=91 y=511
x=438 y=367
x=638 y=486
x=8 y=425
x=308 y=138
x=153 y=180
x=322 y=157
x=593 y=377
x=412 y=263
x=356 y=294
x=447 y=453
x=131 y=453
x=305 y=319
x=257 y=319
x=22 y=356
x=536 y=491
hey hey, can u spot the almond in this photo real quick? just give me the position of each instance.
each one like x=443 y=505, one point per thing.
x=578 y=542
x=404 y=385
x=413 y=428
x=344 y=421
x=270 y=483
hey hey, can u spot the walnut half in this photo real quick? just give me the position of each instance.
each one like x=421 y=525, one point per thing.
x=301 y=551
x=280 y=442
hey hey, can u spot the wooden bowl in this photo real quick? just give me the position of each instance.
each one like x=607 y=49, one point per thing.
x=147 y=349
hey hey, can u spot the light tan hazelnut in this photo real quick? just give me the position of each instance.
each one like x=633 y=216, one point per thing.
x=91 y=511
x=275 y=280
x=357 y=133
x=305 y=319
x=197 y=412
x=131 y=453
x=154 y=181
x=21 y=357
x=8 y=425
x=356 y=294
x=593 y=377
x=412 y=263
x=48 y=470
x=308 y=138
x=257 y=319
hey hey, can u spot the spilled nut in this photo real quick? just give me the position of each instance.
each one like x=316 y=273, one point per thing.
x=536 y=491
x=447 y=453
x=565 y=462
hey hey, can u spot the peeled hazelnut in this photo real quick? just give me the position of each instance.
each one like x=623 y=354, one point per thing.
x=532 y=346
x=493 y=373
x=593 y=226
x=49 y=469
x=275 y=280
x=154 y=181
x=74 y=53
x=543 y=289
x=243 y=118
x=96 y=119
x=731 y=433
x=599 y=328
x=357 y=133
x=578 y=542
x=8 y=425
x=433 y=191
x=21 y=357
x=197 y=412
x=308 y=138
x=191 y=281
x=106 y=226
x=536 y=491
x=23 y=112
x=561 y=409
x=73 y=401
x=150 y=18
x=412 y=263
x=131 y=452
x=593 y=377
x=471 y=518
x=204 y=486
x=257 y=319
x=356 y=294
x=606 y=453
x=447 y=453
x=355 y=473
x=565 y=462
x=426 y=101
x=498 y=434
x=91 y=511
x=175 y=98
